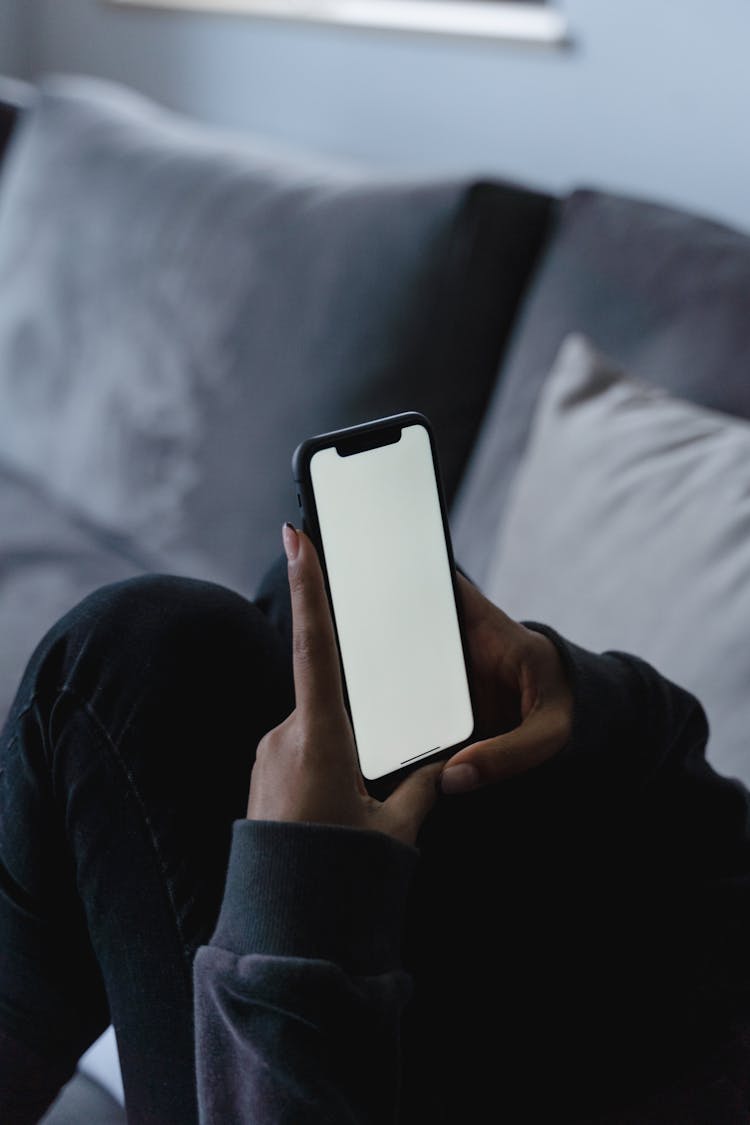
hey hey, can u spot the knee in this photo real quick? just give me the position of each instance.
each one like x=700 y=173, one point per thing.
x=168 y=629
x=152 y=608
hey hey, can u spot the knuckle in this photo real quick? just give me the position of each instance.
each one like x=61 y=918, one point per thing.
x=274 y=739
x=306 y=645
x=563 y=724
x=265 y=749
x=296 y=581
x=298 y=584
x=534 y=647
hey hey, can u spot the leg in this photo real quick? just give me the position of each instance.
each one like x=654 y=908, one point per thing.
x=125 y=760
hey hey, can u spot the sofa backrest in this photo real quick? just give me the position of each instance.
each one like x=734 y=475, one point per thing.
x=181 y=309
x=664 y=293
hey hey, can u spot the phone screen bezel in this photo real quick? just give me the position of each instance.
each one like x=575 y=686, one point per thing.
x=356 y=439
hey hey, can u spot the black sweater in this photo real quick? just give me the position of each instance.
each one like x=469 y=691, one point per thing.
x=573 y=945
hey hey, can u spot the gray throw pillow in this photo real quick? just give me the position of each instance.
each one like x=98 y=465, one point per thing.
x=181 y=308
x=628 y=528
x=661 y=291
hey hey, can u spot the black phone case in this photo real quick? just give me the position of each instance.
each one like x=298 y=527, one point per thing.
x=355 y=439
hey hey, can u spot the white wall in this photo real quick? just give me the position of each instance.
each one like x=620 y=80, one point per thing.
x=653 y=99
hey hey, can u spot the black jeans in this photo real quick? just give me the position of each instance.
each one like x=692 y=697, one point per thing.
x=125 y=760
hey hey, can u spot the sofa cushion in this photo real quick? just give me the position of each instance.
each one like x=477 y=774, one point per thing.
x=628 y=527
x=83 y=1099
x=180 y=309
x=659 y=290
x=49 y=560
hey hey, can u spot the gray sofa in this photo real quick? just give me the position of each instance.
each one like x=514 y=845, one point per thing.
x=181 y=307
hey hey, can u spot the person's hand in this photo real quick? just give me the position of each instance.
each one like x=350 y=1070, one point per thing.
x=523 y=701
x=306 y=769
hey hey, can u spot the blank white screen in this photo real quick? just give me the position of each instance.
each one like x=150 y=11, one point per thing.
x=391 y=587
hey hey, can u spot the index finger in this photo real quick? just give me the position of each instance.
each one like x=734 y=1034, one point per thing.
x=317 y=673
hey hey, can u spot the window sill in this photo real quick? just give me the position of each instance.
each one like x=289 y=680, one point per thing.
x=512 y=22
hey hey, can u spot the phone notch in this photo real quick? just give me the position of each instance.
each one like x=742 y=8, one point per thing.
x=360 y=443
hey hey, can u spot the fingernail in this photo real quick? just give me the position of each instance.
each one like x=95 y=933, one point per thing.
x=291 y=540
x=460 y=779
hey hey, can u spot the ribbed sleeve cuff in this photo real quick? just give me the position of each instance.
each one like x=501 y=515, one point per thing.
x=316 y=891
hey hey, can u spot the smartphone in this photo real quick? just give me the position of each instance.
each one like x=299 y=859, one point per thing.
x=373 y=504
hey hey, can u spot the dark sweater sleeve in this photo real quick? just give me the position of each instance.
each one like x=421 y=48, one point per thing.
x=640 y=742
x=662 y=844
x=666 y=823
x=299 y=995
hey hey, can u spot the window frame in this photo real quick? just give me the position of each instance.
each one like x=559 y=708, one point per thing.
x=532 y=23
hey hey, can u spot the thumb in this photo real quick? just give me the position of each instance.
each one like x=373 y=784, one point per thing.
x=410 y=803
x=538 y=738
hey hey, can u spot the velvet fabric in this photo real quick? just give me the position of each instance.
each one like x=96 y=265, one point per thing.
x=628 y=527
x=182 y=308
x=50 y=557
x=662 y=292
